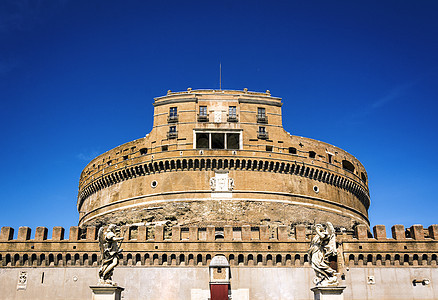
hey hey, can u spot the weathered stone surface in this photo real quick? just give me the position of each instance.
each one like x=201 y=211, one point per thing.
x=278 y=179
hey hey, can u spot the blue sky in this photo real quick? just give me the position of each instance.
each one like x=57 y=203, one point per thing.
x=78 y=78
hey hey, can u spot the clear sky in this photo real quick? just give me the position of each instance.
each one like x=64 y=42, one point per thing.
x=78 y=78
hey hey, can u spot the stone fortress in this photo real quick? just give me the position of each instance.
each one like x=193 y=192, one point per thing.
x=218 y=174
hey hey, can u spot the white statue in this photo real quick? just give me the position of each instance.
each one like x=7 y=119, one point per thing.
x=322 y=247
x=109 y=244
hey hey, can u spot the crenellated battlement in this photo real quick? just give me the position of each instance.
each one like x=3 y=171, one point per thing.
x=193 y=245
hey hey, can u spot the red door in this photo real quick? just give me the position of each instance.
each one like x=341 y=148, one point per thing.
x=219 y=291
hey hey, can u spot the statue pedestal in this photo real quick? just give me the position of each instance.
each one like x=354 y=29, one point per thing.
x=106 y=292
x=328 y=292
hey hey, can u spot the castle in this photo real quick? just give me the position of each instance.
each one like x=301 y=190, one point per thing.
x=218 y=174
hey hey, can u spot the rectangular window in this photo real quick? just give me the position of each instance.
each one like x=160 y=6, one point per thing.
x=173 y=112
x=218 y=141
x=233 y=141
x=292 y=150
x=262 y=129
x=203 y=111
x=261 y=112
x=172 y=129
x=269 y=148
x=202 y=141
x=164 y=148
x=232 y=111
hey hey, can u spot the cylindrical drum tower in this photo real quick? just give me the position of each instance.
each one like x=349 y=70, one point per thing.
x=217 y=157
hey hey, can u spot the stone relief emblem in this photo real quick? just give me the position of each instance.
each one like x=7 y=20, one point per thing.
x=322 y=247
x=109 y=244
x=221 y=182
x=217 y=116
x=22 y=280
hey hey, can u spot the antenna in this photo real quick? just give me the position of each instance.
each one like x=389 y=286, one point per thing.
x=220 y=76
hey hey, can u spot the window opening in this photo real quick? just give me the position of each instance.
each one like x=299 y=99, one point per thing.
x=203 y=111
x=346 y=165
x=261 y=112
x=232 y=115
x=173 y=115
x=269 y=148
x=173 y=112
x=233 y=140
x=203 y=116
x=164 y=148
x=292 y=150
x=330 y=158
x=218 y=141
x=202 y=140
x=312 y=154
x=261 y=115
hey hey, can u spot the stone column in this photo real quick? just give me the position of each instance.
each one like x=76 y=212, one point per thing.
x=328 y=292
x=106 y=292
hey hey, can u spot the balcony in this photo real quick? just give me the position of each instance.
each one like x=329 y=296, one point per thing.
x=262 y=119
x=232 y=118
x=172 y=119
x=202 y=117
x=263 y=135
x=172 y=135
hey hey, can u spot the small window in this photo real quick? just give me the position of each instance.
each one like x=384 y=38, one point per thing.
x=232 y=111
x=261 y=112
x=312 y=154
x=269 y=148
x=109 y=163
x=203 y=111
x=292 y=150
x=330 y=158
x=262 y=129
x=363 y=176
x=173 y=112
x=172 y=129
x=143 y=151
x=125 y=157
x=164 y=148
x=219 y=270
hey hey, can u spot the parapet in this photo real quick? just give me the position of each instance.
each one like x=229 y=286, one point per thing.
x=193 y=245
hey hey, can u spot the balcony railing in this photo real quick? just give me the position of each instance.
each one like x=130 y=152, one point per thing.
x=202 y=118
x=262 y=119
x=232 y=118
x=172 y=134
x=263 y=135
x=172 y=119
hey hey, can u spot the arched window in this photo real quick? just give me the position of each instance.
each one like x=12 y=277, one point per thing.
x=346 y=165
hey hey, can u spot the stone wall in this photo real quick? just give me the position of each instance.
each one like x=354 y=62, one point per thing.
x=176 y=283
